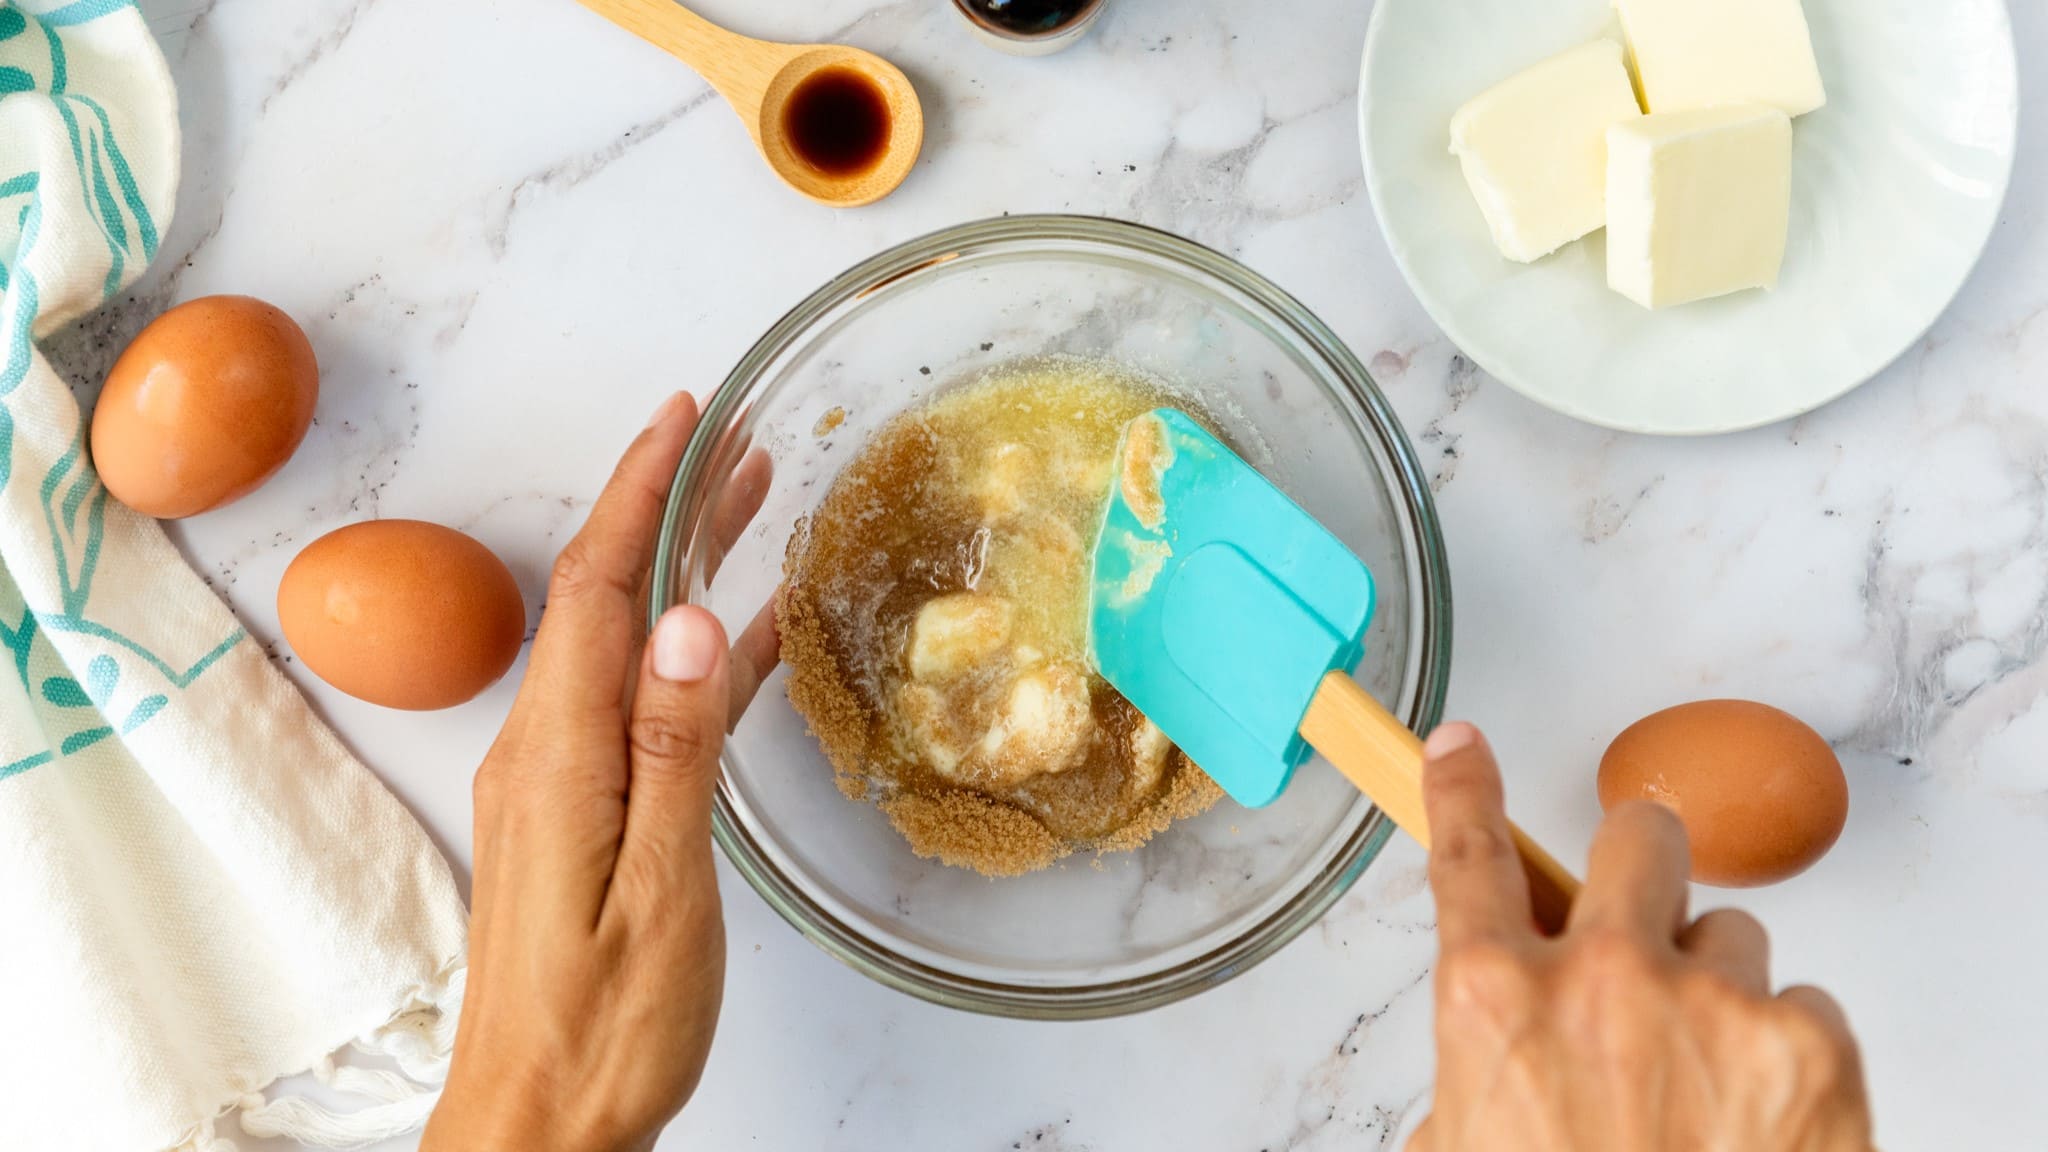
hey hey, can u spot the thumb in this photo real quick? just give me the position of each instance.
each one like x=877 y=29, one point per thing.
x=677 y=731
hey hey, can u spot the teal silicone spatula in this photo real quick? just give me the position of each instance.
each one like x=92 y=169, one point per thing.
x=1233 y=620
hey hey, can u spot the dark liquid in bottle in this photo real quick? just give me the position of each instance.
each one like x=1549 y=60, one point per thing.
x=837 y=121
x=1030 y=17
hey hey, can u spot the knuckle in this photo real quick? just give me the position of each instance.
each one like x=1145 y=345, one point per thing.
x=675 y=906
x=671 y=736
x=1461 y=846
x=1730 y=932
x=1709 y=992
x=1454 y=779
x=1486 y=975
x=486 y=789
x=650 y=871
x=1735 y=922
x=1813 y=1047
x=576 y=572
x=1738 y=918
x=1607 y=958
x=1613 y=996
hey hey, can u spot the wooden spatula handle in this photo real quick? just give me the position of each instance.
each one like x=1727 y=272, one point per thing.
x=1379 y=755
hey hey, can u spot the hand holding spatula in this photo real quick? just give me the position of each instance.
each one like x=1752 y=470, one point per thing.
x=1233 y=619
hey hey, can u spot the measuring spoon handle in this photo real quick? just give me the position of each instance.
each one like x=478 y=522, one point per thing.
x=740 y=67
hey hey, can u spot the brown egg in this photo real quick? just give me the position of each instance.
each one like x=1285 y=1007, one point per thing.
x=402 y=613
x=208 y=402
x=1761 y=795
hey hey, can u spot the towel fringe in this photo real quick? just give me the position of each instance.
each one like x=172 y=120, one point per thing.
x=204 y=1140
x=420 y=1040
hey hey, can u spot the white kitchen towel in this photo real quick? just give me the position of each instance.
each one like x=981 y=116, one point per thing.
x=200 y=890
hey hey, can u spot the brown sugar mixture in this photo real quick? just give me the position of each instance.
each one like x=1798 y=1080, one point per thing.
x=934 y=617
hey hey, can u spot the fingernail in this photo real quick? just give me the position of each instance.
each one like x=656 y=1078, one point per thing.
x=686 y=645
x=667 y=409
x=1450 y=740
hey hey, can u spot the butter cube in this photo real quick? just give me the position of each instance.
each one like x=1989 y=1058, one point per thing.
x=1702 y=53
x=1534 y=148
x=1698 y=203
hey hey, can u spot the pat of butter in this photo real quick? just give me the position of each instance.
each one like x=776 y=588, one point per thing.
x=1698 y=203
x=1703 y=53
x=1534 y=148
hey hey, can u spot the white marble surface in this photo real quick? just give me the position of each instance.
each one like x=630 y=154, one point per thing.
x=511 y=229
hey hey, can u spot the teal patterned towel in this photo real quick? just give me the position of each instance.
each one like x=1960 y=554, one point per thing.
x=200 y=891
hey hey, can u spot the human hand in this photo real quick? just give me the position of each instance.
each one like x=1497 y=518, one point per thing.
x=597 y=948
x=1634 y=1031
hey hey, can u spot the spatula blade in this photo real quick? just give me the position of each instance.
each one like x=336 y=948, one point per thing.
x=1217 y=604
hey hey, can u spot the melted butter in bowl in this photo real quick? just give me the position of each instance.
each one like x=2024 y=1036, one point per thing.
x=934 y=618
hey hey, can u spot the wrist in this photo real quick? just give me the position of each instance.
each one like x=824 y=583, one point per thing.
x=504 y=1120
x=506 y=1126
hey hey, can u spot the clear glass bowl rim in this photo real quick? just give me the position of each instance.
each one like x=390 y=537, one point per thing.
x=1054 y=233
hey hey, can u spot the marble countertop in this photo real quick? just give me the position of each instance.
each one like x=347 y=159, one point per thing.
x=510 y=229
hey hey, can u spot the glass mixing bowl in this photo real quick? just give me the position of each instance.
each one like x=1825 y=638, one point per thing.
x=1209 y=897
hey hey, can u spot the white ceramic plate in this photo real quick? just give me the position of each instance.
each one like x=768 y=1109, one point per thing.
x=1896 y=186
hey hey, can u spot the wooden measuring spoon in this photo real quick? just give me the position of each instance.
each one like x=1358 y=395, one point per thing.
x=758 y=77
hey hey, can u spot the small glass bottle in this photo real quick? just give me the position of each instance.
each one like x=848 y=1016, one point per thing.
x=1030 y=27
